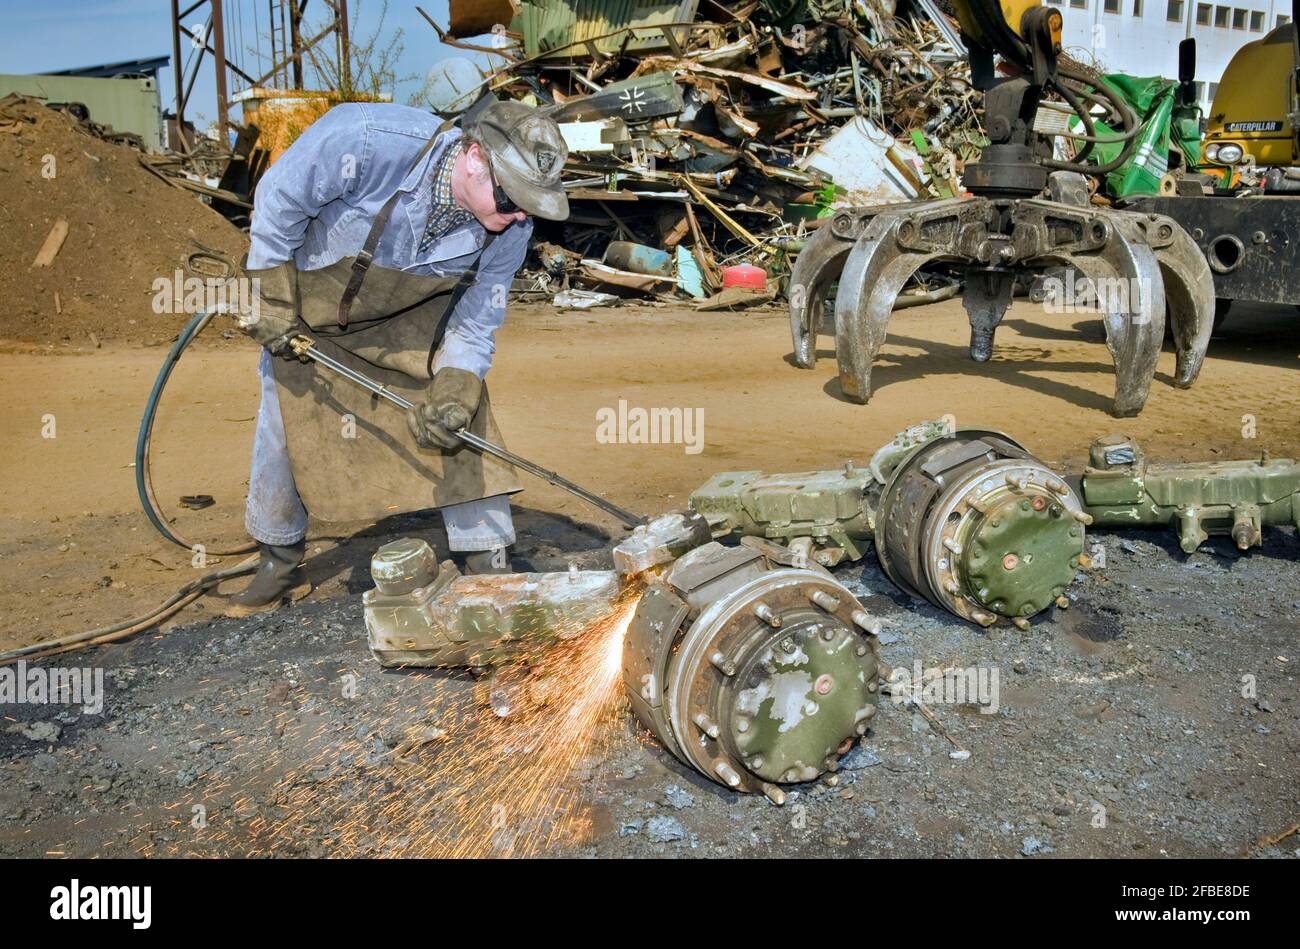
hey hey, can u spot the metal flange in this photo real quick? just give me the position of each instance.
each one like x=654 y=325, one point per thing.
x=764 y=681
x=979 y=527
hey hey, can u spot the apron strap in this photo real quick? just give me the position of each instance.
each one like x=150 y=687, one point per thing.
x=362 y=261
x=461 y=287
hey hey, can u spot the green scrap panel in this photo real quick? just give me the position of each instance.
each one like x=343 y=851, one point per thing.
x=1164 y=128
x=128 y=105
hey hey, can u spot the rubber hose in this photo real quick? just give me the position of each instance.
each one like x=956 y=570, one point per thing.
x=182 y=597
x=1128 y=121
x=143 y=480
x=144 y=488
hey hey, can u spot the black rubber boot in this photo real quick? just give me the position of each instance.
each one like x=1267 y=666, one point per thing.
x=480 y=562
x=278 y=580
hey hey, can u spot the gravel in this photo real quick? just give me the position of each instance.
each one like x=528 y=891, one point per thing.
x=1156 y=716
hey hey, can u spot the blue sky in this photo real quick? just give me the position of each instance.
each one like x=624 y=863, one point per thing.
x=40 y=35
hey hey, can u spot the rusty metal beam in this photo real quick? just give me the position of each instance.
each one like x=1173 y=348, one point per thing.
x=219 y=51
x=177 y=75
x=345 y=50
x=295 y=40
x=671 y=39
x=450 y=40
x=207 y=47
x=306 y=47
x=214 y=42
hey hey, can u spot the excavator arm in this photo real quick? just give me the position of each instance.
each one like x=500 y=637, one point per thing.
x=997 y=26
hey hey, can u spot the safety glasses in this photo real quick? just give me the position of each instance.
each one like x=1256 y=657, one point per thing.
x=503 y=202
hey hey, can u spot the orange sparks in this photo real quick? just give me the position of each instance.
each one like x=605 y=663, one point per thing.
x=463 y=782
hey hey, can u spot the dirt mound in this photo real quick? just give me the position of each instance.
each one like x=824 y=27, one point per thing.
x=126 y=229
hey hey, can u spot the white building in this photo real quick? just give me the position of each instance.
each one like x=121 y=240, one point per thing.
x=1141 y=37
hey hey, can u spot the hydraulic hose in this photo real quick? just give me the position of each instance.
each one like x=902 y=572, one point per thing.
x=143 y=479
x=144 y=488
x=1071 y=84
x=105 y=634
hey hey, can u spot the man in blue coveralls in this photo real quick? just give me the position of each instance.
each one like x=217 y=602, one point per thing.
x=390 y=196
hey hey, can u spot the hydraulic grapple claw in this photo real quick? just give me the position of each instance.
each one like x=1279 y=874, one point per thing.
x=874 y=275
x=1126 y=288
x=986 y=298
x=1127 y=259
x=817 y=267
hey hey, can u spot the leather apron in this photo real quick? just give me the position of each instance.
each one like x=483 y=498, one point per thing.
x=352 y=455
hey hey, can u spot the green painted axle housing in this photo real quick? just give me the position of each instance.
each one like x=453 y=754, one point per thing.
x=1021 y=553
x=978 y=526
x=753 y=672
x=421 y=613
x=968 y=520
x=1121 y=489
x=828 y=507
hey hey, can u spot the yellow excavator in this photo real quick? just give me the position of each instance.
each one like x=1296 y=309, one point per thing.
x=1254 y=122
x=1248 y=226
x=1028 y=218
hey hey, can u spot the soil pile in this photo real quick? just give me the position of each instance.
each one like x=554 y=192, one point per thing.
x=126 y=229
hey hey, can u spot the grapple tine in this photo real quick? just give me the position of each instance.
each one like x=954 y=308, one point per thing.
x=875 y=273
x=816 y=267
x=1135 y=332
x=1189 y=292
x=1128 y=257
x=986 y=298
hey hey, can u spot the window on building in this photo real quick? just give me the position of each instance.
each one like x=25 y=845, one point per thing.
x=1198 y=88
x=1238 y=19
x=1174 y=12
x=1079 y=4
x=1257 y=21
x=1110 y=6
x=1283 y=20
x=1221 y=15
x=1203 y=13
x=1137 y=8
x=1214 y=90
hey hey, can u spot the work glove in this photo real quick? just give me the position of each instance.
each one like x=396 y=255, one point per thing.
x=452 y=401
x=273 y=320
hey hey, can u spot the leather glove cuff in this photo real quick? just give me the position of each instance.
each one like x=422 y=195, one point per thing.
x=274 y=314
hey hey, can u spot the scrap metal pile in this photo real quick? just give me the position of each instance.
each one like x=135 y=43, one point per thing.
x=873 y=145
x=702 y=137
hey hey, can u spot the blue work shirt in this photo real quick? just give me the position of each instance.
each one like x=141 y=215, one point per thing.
x=316 y=204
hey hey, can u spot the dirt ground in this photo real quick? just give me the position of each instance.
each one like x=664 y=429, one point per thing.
x=1128 y=701
x=76 y=551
